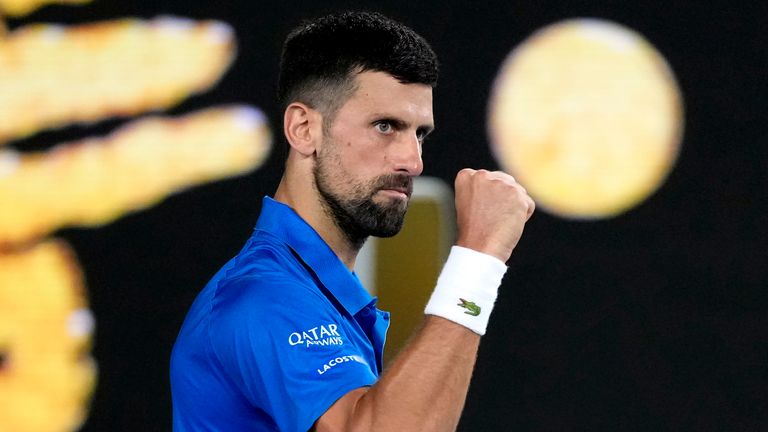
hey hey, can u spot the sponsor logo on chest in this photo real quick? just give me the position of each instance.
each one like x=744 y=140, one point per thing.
x=322 y=335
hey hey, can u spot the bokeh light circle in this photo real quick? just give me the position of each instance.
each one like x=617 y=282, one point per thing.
x=587 y=115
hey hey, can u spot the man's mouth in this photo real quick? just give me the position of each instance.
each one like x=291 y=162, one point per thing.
x=399 y=192
x=398 y=186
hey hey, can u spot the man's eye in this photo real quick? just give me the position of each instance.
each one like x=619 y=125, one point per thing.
x=383 y=127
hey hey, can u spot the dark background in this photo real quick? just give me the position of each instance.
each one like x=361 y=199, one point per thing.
x=654 y=320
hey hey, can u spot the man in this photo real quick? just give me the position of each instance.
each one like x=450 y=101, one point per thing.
x=284 y=337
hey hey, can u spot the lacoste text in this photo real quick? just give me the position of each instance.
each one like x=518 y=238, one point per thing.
x=340 y=360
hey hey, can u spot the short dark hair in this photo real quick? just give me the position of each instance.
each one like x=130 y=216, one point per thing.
x=321 y=58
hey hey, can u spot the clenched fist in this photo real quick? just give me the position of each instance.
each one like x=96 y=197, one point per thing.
x=491 y=211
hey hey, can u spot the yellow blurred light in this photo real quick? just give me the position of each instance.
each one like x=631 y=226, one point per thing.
x=586 y=114
x=18 y=8
x=45 y=335
x=52 y=76
x=95 y=181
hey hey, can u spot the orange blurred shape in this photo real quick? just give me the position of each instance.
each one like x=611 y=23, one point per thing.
x=18 y=8
x=94 y=181
x=51 y=75
x=46 y=377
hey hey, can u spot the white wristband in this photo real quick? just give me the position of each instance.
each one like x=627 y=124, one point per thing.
x=467 y=288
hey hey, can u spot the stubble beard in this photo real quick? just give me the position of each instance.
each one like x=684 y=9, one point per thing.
x=357 y=215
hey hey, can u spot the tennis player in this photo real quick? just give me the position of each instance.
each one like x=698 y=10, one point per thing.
x=284 y=337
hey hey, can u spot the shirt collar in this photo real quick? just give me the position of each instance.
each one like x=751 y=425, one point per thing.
x=282 y=222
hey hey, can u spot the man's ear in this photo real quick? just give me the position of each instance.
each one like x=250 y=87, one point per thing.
x=303 y=128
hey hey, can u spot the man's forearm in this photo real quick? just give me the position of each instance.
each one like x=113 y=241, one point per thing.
x=426 y=386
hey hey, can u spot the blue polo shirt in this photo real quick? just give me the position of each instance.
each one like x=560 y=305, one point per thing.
x=279 y=334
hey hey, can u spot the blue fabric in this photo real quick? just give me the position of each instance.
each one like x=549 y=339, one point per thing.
x=279 y=334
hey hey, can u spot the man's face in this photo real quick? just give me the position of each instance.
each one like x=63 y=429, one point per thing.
x=366 y=162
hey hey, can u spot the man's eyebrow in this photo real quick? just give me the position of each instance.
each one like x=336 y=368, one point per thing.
x=402 y=124
x=396 y=122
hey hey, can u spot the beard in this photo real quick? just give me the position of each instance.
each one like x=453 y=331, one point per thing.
x=356 y=213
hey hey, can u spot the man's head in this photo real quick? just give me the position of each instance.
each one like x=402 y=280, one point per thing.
x=357 y=90
x=322 y=57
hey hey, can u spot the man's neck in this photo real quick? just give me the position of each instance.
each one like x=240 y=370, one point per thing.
x=309 y=207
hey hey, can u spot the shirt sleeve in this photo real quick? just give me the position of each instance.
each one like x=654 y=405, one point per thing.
x=286 y=348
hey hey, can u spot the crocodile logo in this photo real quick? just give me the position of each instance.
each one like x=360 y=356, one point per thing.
x=471 y=307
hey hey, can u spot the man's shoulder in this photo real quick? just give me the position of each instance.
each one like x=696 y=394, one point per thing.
x=267 y=258
x=264 y=273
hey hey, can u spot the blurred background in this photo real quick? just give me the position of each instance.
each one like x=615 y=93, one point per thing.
x=137 y=139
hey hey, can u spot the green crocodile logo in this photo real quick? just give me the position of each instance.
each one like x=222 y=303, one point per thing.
x=471 y=307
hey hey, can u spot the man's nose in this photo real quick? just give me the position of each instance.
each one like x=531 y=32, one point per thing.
x=407 y=154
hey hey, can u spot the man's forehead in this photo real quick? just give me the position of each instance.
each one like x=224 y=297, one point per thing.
x=378 y=79
x=385 y=94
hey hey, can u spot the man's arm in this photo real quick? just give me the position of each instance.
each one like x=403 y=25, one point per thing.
x=426 y=386
x=423 y=390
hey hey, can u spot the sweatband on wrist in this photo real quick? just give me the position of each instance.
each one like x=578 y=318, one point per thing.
x=467 y=288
